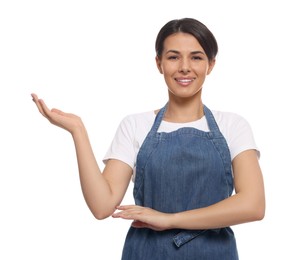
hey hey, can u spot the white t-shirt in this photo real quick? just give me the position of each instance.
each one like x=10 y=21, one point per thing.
x=134 y=128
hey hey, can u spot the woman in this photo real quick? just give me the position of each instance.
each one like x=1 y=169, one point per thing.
x=185 y=161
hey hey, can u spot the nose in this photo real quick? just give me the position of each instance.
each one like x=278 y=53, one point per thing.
x=184 y=66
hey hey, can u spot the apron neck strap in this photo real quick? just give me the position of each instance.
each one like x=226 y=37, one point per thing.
x=207 y=112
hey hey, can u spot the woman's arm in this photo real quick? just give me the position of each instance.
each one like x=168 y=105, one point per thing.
x=248 y=204
x=102 y=191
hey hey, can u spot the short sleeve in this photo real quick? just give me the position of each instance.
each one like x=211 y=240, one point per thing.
x=121 y=147
x=241 y=137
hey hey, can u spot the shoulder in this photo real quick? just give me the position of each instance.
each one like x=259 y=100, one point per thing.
x=137 y=119
x=236 y=130
x=228 y=118
x=129 y=135
x=231 y=123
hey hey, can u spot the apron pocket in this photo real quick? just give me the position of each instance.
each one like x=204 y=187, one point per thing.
x=187 y=235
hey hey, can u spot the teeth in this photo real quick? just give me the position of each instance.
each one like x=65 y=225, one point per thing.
x=184 y=80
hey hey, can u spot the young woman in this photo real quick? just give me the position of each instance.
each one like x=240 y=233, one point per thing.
x=185 y=161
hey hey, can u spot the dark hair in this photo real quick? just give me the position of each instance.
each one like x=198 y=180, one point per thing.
x=191 y=26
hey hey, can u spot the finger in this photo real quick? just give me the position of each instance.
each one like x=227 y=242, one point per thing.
x=123 y=215
x=126 y=214
x=44 y=109
x=59 y=112
x=125 y=207
x=34 y=96
x=37 y=103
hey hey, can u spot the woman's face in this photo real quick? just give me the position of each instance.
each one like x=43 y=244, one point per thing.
x=184 y=65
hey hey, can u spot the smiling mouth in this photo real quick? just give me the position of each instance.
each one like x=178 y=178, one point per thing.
x=184 y=81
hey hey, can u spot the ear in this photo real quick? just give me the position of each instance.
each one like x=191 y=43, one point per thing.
x=211 y=66
x=158 y=62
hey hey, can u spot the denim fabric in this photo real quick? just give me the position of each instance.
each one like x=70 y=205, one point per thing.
x=179 y=171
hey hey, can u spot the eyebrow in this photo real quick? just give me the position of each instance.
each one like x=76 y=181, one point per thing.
x=193 y=52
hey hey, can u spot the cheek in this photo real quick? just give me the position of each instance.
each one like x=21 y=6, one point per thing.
x=169 y=69
x=203 y=70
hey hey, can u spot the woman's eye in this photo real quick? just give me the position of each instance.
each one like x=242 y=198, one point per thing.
x=197 y=58
x=173 y=57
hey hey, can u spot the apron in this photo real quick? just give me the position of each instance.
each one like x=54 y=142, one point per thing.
x=178 y=171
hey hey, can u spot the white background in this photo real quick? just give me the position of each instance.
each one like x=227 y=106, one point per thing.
x=96 y=59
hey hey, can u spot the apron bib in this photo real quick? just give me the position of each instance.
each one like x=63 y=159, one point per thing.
x=178 y=171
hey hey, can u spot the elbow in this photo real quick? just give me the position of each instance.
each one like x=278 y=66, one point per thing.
x=262 y=212
x=257 y=212
x=101 y=210
x=260 y=209
x=253 y=207
x=102 y=214
x=259 y=215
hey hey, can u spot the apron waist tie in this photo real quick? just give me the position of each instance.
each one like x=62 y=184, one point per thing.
x=187 y=235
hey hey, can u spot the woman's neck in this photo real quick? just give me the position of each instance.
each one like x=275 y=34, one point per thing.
x=183 y=112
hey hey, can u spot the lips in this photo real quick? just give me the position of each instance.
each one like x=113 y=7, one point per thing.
x=184 y=81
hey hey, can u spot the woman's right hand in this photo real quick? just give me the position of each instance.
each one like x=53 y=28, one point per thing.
x=67 y=121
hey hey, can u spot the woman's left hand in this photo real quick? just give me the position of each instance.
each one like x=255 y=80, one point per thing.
x=144 y=217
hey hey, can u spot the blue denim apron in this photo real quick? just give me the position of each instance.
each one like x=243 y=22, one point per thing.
x=178 y=171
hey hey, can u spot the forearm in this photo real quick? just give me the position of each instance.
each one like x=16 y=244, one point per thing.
x=234 y=210
x=95 y=188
